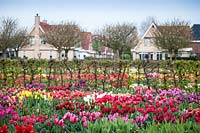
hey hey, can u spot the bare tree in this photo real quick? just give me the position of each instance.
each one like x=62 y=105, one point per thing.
x=64 y=36
x=7 y=31
x=119 y=37
x=146 y=23
x=19 y=40
x=173 y=35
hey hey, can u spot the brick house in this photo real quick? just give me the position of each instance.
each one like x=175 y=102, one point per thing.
x=195 y=42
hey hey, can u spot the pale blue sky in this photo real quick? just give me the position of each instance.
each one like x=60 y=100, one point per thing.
x=93 y=14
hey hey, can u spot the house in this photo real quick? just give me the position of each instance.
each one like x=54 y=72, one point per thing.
x=39 y=48
x=146 y=48
x=195 y=42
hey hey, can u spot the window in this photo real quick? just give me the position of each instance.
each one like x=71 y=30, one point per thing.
x=50 y=56
x=166 y=56
x=144 y=56
x=84 y=56
x=140 y=56
x=42 y=39
x=159 y=56
x=148 y=41
x=32 y=40
x=180 y=54
x=151 y=56
x=63 y=55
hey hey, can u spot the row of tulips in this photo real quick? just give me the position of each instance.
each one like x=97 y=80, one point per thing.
x=65 y=110
x=18 y=129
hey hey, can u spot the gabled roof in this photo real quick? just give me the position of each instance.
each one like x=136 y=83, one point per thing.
x=159 y=28
x=196 y=32
x=153 y=25
x=86 y=36
x=46 y=27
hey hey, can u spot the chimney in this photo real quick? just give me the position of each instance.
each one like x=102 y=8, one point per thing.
x=37 y=20
x=37 y=36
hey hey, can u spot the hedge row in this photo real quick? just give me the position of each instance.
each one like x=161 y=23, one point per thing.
x=98 y=73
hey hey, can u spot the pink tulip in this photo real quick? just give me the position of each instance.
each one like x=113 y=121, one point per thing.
x=90 y=118
x=87 y=114
x=110 y=117
x=82 y=113
x=66 y=116
x=125 y=119
x=84 y=118
x=56 y=121
x=133 y=121
x=116 y=115
x=85 y=123
x=72 y=119
x=61 y=122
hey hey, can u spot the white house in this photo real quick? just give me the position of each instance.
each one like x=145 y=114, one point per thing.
x=146 y=47
x=38 y=48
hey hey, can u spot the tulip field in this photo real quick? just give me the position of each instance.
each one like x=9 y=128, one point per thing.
x=121 y=99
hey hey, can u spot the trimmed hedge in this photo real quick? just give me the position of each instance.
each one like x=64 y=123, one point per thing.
x=180 y=73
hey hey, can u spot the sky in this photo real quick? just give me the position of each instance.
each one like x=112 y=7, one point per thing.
x=92 y=15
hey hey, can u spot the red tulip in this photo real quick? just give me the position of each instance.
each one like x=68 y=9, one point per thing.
x=157 y=104
x=4 y=129
x=165 y=108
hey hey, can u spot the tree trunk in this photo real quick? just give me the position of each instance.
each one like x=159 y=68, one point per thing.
x=99 y=54
x=4 y=54
x=17 y=53
x=116 y=55
x=171 y=55
x=59 y=52
x=175 y=54
x=120 y=54
x=66 y=54
x=95 y=55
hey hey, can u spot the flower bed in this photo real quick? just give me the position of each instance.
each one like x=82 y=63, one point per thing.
x=62 y=110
